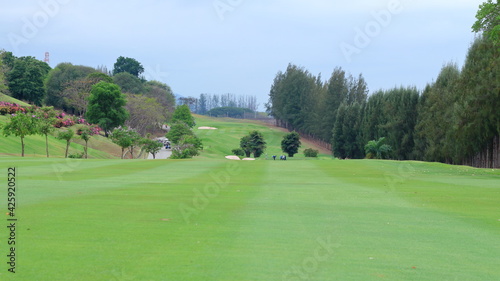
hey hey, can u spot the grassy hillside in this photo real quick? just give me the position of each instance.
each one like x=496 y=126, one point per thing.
x=220 y=142
x=99 y=147
x=5 y=98
x=217 y=143
x=210 y=219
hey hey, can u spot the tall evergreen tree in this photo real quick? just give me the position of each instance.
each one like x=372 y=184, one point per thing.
x=478 y=127
x=436 y=115
x=291 y=143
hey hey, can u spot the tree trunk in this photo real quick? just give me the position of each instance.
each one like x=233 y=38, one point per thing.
x=22 y=146
x=123 y=151
x=47 y=144
x=86 y=150
x=67 y=149
x=489 y=157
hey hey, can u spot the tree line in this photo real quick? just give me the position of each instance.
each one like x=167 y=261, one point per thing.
x=67 y=87
x=121 y=103
x=210 y=104
x=455 y=119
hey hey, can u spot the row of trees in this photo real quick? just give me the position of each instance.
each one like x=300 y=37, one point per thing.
x=68 y=87
x=131 y=140
x=42 y=121
x=454 y=120
x=301 y=101
x=206 y=103
x=254 y=143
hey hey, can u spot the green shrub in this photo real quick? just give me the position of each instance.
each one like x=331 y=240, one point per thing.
x=76 y=155
x=311 y=152
x=238 y=152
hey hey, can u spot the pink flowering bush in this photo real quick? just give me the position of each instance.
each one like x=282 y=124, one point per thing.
x=64 y=122
x=10 y=108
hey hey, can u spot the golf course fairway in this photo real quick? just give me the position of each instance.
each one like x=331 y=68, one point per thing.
x=216 y=219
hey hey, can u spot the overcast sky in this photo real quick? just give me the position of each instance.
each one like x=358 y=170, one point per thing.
x=238 y=46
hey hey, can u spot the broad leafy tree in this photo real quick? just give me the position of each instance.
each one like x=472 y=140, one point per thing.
x=163 y=94
x=21 y=125
x=177 y=130
x=129 y=83
x=183 y=114
x=86 y=134
x=76 y=93
x=146 y=114
x=130 y=65
x=488 y=21
x=151 y=146
x=291 y=143
x=3 y=70
x=59 y=79
x=106 y=107
x=136 y=141
x=185 y=143
x=187 y=146
x=26 y=78
x=124 y=138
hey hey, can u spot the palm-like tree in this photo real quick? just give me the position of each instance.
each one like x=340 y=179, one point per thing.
x=377 y=149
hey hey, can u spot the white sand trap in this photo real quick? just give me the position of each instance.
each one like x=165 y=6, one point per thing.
x=232 y=157
x=248 y=159
x=207 y=128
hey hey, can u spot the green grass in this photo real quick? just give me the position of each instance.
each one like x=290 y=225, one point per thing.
x=99 y=147
x=215 y=219
x=6 y=98
x=219 y=143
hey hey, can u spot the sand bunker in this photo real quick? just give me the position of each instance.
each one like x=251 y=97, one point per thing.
x=232 y=157
x=248 y=159
x=207 y=128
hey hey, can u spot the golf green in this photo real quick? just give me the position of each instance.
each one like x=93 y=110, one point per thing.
x=211 y=219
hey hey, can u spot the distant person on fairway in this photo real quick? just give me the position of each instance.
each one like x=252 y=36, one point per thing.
x=274 y=157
